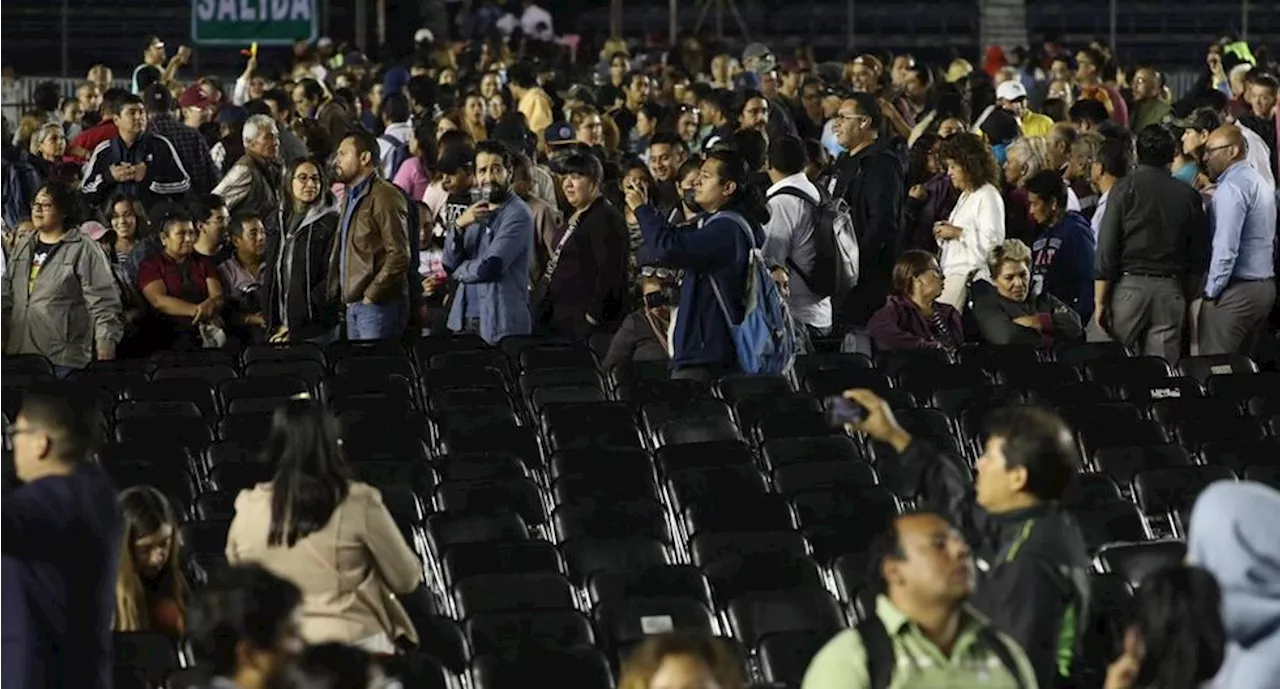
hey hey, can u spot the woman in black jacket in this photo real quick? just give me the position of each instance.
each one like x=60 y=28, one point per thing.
x=297 y=258
x=584 y=286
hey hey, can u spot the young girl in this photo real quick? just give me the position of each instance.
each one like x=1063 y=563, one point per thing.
x=431 y=268
x=151 y=589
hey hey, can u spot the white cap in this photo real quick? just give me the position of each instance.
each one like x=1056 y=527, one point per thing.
x=324 y=42
x=1011 y=90
x=423 y=35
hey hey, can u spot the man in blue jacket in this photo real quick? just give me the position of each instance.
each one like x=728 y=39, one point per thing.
x=1062 y=255
x=60 y=544
x=487 y=253
x=718 y=249
x=136 y=162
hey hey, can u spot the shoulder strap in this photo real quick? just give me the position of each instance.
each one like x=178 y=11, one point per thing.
x=813 y=206
x=992 y=640
x=795 y=193
x=878 y=647
x=751 y=241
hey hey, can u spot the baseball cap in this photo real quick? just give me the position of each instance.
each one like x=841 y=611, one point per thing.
x=96 y=230
x=193 y=97
x=1200 y=120
x=454 y=159
x=157 y=98
x=559 y=133
x=758 y=57
x=424 y=35
x=1011 y=90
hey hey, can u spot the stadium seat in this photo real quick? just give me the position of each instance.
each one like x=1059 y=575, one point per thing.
x=844 y=521
x=673 y=458
x=1145 y=393
x=1091 y=489
x=507 y=592
x=542 y=397
x=167 y=431
x=1268 y=474
x=487 y=377
x=213 y=374
x=375 y=366
x=734 y=388
x=1121 y=463
x=1077 y=394
x=522 y=442
x=462 y=398
x=526 y=630
x=1079 y=354
x=250 y=394
x=474 y=466
x=926 y=424
x=195 y=391
x=625 y=623
x=442 y=638
x=921 y=378
x=994 y=358
x=1136 y=561
x=796 y=417
x=662 y=581
x=1173 y=412
x=521 y=495
x=537 y=378
x=696 y=430
x=574 y=488
x=463 y=560
x=755 y=565
x=587 y=557
x=1022 y=376
x=784 y=657
x=768 y=512
x=389 y=390
x=421 y=670
x=216 y=505
x=1173 y=491
x=552 y=356
x=809 y=609
x=238 y=476
x=581 y=668
x=1196 y=432
x=290 y=352
x=835 y=381
x=1236 y=455
x=158 y=411
x=590 y=425
x=1111 y=601
x=446 y=529
x=310 y=372
x=1202 y=367
x=688 y=486
x=1243 y=386
x=846 y=474
x=612 y=519
x=1116 y=373
x=1107 y=522
x=785 y=452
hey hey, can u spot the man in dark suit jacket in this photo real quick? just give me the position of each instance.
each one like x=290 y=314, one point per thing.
x=61 y=545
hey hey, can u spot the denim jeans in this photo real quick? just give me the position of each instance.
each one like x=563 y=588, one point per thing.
x=375 y=321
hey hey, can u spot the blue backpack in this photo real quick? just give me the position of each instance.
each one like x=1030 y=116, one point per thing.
x=765 y=339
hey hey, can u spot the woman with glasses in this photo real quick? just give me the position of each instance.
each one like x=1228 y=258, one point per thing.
x=59 y=298
x=912 y=317
x=181 y=285
x=645 y=334
x=297 y=259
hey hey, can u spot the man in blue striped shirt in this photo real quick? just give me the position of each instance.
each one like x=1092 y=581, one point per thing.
x=1240 y=288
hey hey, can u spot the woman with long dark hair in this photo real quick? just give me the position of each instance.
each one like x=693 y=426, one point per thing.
x=329 y=534
x=151 y=588
x=60 y=299
x=1176 y=638
x=718 y=249
x=295 y=301
x=415 y=173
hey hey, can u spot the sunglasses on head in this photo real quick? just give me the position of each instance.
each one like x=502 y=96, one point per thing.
x=659 y=272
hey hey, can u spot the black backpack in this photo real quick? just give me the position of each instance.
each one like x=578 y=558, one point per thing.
x=882 y=660
x=835 y=270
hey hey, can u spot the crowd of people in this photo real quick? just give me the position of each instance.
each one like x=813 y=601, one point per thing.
x=473 y=190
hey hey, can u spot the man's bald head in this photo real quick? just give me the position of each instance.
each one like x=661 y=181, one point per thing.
x=1225 y=146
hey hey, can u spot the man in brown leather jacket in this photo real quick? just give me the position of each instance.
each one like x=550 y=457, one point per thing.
x=370 y=259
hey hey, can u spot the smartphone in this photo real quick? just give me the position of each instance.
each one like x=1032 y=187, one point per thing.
x=841 y=411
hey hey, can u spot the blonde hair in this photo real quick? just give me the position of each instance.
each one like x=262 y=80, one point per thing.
x=40 y=134
x=145 y=511
x=647 y=658
x=1034 y=153
x=1008 y=251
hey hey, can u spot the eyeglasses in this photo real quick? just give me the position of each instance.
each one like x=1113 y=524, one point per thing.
x=659 y=272
x=1210 y=151
x=307 y=179
x=11 y=431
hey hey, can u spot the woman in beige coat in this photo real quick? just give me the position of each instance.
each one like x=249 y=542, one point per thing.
x=328 y=534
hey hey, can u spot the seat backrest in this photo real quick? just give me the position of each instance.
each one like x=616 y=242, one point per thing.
x=664 y=581
x=584 y=668
x=293 y=351
x=1121 y=463
x=506 y=592
x=1175 y=489
x=768 y=512
x=506 y=632
x=840 y=474
x=1242 y=386
x=521 y=495
x=1105 y=522
x=785 y=657
x=587 y=557
x=784 y=452
x=469 y=559
x=673 y=458
x=1091 y=489
x=811 y=609
x=1119 y=372
x=691 y=485
x=612 y=519
x=608 y=424
x=445 y=529
x=1136 y=561
x=625 y=623
x=1236 y=455
x=1144 y=393
x=1203 y=366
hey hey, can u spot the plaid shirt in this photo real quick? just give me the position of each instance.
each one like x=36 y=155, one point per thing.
x=191 y=148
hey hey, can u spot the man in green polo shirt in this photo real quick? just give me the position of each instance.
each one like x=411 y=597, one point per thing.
x=929 y=637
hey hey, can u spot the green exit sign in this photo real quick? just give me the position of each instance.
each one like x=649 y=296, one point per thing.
x=241 y=22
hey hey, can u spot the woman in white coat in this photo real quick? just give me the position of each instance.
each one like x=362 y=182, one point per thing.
x=976 y=225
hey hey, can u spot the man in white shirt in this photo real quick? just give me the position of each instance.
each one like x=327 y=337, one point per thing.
x=789 y=240
x=536 y=22
x=1112 y=163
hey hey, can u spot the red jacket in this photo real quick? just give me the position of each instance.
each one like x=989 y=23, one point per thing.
x=86 y=141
